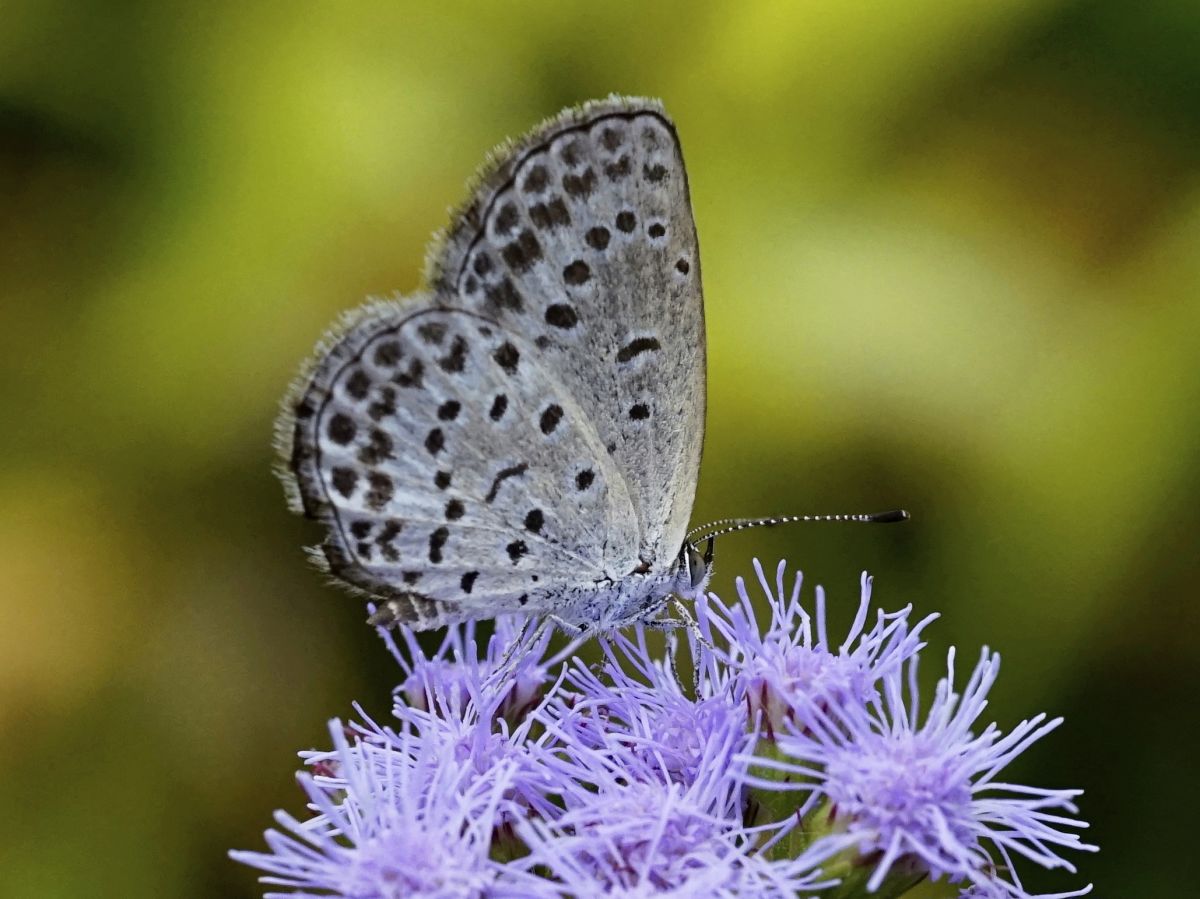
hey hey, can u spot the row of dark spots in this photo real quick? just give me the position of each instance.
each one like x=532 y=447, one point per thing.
x=380 y=492
x=619 y=170
x=504 y=297
x=380 y=487
x=413 y=376
x=390 y=531
x=378 y=448
x=385 y=405
x=551 y=214
x=522 y=253
x=580 y=186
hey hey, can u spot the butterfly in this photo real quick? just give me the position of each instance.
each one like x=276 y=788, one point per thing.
x=524 y=434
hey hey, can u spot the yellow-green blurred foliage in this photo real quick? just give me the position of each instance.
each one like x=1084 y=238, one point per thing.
x=951 y=263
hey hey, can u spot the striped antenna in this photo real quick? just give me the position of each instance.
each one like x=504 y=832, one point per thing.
x=730 y=525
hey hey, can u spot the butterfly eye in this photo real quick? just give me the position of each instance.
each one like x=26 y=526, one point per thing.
x=697 y=566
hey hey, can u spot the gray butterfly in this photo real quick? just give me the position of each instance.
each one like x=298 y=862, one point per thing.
x=525 y=434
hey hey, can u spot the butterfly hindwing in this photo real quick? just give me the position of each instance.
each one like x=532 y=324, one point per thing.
x=447 y=466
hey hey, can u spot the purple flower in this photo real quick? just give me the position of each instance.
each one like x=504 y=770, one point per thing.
x=1000 y=890
x=456 y=673
x=393 y=821
x=639 y=702
x=787 y=766
x=792 y=661
x=925 y=797
x=628 y=828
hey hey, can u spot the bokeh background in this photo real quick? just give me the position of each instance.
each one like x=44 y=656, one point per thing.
x=950 y=259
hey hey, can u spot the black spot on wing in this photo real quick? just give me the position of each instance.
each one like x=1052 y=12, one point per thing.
x=534 y=519
x=637 y=346
x=551 y=416
x=504 y=296
x=549 y=215
x=437 y=540
x=504 y=474
x=507 y=357
x=597 y=238
x=388 y=354
x=378 y=448
x=435 y=441
x=358 y=385
x=580 y=186
x=561 y=315
x=453 y=361
x=380 y=492
x=344 y=481
x=577 y=273
x=341 y=429
x=432 y=332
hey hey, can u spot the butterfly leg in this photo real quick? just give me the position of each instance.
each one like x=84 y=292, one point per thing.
x=519 y=647
x=683 y=619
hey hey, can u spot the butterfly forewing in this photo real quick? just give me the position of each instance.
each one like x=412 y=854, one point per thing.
x=534 y=423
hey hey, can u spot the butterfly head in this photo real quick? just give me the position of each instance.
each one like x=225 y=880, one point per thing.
x=696 y=567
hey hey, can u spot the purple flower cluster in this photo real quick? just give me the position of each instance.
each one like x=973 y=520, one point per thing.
x=775 y=764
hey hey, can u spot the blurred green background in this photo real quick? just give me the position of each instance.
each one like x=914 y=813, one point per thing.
x=950 y=259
